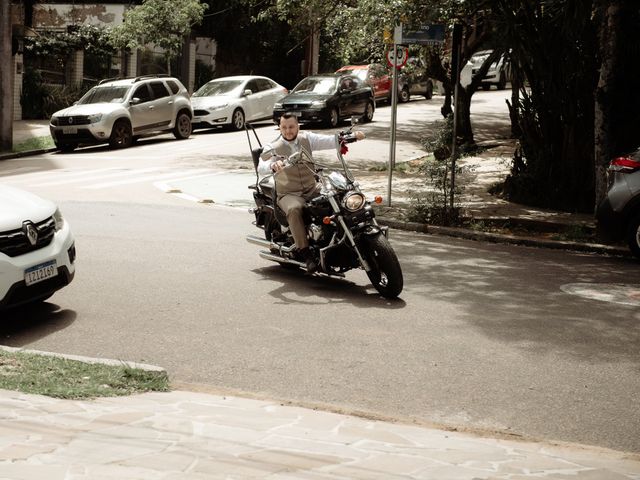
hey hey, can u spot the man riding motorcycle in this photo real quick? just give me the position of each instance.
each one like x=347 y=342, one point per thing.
x=296 y=184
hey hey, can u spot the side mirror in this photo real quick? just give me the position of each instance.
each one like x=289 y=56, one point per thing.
x=246 y=93
x=134 y=101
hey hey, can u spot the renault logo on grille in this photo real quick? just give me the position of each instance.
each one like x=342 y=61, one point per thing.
x=70 y=120
x=31 y=232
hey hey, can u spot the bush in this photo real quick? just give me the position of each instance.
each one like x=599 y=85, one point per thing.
x=39 y=100
x=435 y=206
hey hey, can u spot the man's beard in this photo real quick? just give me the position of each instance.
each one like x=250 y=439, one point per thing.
x=290 y=139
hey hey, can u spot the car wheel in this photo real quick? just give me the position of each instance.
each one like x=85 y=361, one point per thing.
x=121 y=135
x=368 y=112
x=633 y=236
x=502 y=83
x=429 y=93
x=404 y=95
x=334 y=118
x=237 y=119
x=182 y=129
x=66 y=147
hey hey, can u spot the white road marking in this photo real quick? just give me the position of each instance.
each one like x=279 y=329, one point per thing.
x=128 y=181
x=123 y=172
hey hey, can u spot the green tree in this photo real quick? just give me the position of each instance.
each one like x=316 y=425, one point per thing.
x=164 y=23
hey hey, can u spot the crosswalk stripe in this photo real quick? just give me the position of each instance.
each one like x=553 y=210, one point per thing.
x=65 y=180
x=136 y=180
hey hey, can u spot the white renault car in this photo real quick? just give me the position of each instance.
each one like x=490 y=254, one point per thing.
x=37 y=248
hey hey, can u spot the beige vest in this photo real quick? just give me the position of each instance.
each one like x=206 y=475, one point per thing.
x=298 y=179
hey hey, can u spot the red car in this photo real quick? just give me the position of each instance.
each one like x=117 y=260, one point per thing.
x=412 y=80
x=375 y=75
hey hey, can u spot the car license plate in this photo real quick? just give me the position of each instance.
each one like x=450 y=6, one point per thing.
x=296 y=114
x=40 y=272
x=69 y=130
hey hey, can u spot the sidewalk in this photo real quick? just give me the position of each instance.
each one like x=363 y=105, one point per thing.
x=185 y=435
x=25 y=129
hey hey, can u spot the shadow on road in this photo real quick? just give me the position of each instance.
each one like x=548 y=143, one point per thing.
x=297 y=288
x=24 y=325
x=514 y=295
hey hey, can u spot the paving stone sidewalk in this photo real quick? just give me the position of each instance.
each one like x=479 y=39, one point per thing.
x=195 y=436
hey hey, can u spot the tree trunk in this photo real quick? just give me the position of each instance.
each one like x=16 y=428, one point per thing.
x=6 y=78
x=608 y=39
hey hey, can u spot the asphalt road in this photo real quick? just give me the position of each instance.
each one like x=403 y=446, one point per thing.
x=487 y=337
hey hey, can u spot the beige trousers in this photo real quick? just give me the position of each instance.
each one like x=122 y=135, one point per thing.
x=292 y=206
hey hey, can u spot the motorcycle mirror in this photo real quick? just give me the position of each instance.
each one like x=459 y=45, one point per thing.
x=354 y=120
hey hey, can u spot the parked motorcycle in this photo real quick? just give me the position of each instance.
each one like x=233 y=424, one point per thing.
x=342 y=229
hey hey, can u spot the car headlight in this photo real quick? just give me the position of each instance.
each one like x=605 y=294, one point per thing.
x=55 y=120
x=277 y=105
x=58 y=220
x=218 y=107
x=318 y=104
x=95 y=118
x=354 y=202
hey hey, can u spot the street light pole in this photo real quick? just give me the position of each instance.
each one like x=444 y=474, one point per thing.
x=394 y=119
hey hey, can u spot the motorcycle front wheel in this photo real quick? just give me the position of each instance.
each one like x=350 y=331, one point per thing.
x=385 y=273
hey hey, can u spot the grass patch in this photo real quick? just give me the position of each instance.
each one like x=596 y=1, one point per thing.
x=64 y=378
x=37 y=143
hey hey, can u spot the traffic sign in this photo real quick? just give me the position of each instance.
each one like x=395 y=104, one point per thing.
x=399 y=59
x=423 y=35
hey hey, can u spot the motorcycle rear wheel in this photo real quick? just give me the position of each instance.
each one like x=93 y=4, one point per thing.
x=385 y=273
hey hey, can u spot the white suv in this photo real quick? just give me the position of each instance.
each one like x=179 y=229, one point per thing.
x=37 y=249
x=120 y=111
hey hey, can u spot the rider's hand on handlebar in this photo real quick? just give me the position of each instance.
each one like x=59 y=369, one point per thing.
x=277 y=164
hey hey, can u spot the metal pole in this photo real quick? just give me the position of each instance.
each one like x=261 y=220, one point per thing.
x=394 y=108
x=456 y=75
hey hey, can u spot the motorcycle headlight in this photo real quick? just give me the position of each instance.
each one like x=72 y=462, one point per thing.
x=354 y=202
x=58 y=220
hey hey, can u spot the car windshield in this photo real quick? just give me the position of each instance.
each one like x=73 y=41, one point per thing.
x=222 y=87
x=360 y=73
x=105 y=95
x=321 y=85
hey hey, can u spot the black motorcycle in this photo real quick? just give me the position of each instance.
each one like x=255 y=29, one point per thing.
x=341 y=225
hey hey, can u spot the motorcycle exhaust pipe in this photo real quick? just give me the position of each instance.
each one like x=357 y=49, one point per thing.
x=279 y=259
x=263 y=242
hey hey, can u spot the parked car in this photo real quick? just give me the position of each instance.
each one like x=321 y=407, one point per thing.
x=413 y=80
x=120 y=111
x=618 y=214
x=328 y=99
x=496 y=75
x=375 y=75
x=232 y=101
x=37 y=248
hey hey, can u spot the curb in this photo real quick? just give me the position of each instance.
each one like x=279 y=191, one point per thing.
x=508 y=239
x=28 y=153
x=79 y=358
